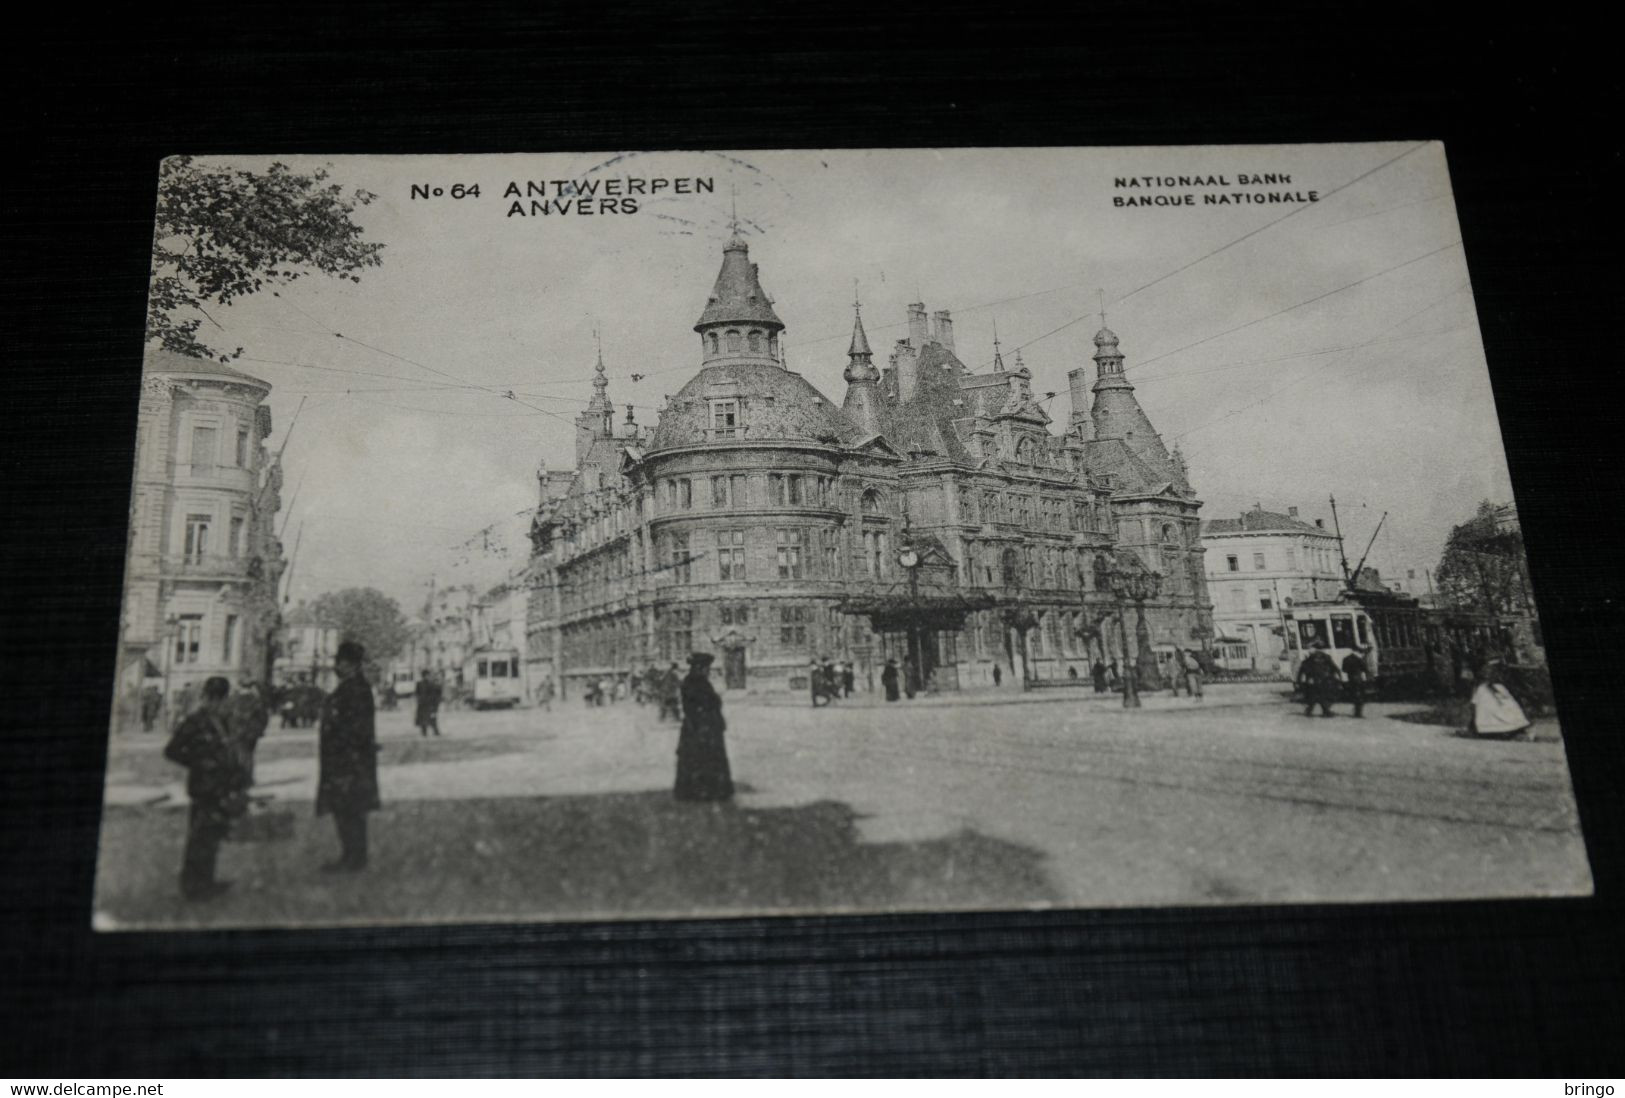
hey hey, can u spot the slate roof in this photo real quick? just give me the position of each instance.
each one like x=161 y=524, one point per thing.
x=159 y=361
x=775 y=404
x=737 y=296
x=1259 y=520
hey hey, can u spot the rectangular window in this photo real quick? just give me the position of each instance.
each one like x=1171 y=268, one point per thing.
x=242 y=447
x=671 y=495
x=197 y=537
x=1232 y=563
x=789 y=554
x=1238 y=599
x=188 y=638
x=794 y=480
x=1360 y=624
x=1258 y=562
x=677 y=557
x=775 y=488
x=685 y=493
x=730 y=555
x=719 y=491
x=228 y=640
x=237 y=547
x=1291 y=556
x=737 y=490
x=1342 y=631
x=793 y=626
x=204 y=450
x=725 y=418
x=1266 y=600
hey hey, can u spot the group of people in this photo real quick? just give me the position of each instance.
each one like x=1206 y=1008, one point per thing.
x=1322 y=683
x=830 y=680
x=215 y=743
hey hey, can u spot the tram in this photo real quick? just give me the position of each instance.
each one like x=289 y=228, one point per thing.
x=1389 y=622
x=494 y=673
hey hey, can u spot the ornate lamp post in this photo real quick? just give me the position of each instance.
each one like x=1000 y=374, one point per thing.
x=909 y=558
x=1135 y=584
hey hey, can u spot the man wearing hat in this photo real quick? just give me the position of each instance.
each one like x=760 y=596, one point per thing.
x=347 y=747
x=703 y=773
x=1357 y=672
x=1318 y=679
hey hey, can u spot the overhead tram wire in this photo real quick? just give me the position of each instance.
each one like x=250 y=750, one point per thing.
x=1306 y=375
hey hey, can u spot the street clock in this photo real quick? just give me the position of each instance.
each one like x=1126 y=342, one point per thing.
x=908 y=558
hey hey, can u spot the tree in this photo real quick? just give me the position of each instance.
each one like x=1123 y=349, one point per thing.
x=1482 y=569
x=225 y=233
x=366 y=615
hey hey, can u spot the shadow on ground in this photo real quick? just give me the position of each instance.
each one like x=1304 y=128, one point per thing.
x=598 y=856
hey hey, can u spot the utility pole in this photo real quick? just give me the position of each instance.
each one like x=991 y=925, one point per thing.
x=1348 y=581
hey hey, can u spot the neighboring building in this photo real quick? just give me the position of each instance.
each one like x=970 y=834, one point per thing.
x=447 y=637
x=305 y=651
x=1257 y=566
x=931 y=515
x=203 y=562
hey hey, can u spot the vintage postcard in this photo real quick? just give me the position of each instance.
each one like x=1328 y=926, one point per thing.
x=692 y=534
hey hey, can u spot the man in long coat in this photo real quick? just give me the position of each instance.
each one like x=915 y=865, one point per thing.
x=1357 y=674
x=347 y=748
x=246 y=719
x=703 y=773
x=888 y=679
x=215 y=784
x=1318 y=679
x=427 y=696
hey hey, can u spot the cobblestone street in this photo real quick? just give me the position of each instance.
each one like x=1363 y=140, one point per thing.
x=990 y=801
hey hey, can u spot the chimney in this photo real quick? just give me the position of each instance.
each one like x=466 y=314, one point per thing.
x=943 y=328
x=905 y=361
x=1078 y=381
x=916 y=325
x=1292 y=512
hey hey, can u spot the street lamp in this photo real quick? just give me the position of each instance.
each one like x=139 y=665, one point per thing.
x=909 y=558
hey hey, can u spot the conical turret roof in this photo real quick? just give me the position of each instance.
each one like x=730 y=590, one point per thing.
x=738 y=297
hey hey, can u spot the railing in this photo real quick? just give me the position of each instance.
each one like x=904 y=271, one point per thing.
x=213 y=566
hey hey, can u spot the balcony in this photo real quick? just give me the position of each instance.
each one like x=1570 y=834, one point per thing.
x=212 y=566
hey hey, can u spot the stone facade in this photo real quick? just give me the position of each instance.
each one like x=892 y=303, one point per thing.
x=771 y=526
x=1258 y=565
x=203 y=560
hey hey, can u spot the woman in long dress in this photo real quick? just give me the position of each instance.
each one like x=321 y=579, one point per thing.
x=1495 y=711
x=703 y=773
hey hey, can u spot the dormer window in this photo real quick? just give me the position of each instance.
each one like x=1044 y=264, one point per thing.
x=724 y=418
x=754 y=340
x=733 y=342
x=713 y=341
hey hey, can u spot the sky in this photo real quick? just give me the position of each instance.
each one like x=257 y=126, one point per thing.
x=1293 y=350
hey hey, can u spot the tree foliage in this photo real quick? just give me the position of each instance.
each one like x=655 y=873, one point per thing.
x=1482 y=569
x=224 y=233
x=365 y=615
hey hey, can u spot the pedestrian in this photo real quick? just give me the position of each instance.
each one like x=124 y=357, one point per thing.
x=1355 y=673
x=1097 y=672
x=703 y=773
x=671 y=692
x=152 y=703
x=427 y=696
x=1115 y=676
x=246 y=719
x=815 y=678
x=832 y=682
x=1318 y=679
x=347 y=750
x=1495 y=712
x=888 y=679
x=215 y=784
x=848 y=678
x=1178 y=679
x=1072 y=672
x=911 y=677
x=998 y=675
x=1193 y=674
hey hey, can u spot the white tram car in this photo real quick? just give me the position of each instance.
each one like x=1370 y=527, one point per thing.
x=495 y=675
x=1390 y=623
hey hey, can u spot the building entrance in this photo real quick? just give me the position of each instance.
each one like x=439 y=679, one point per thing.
x=733 y=668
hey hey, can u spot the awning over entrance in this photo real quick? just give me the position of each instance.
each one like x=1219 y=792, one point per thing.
x=900 y=612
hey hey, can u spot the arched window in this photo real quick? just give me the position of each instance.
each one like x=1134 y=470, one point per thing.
x=1170 y=534
x=755 y=341
x=1011 y=563
x=1027 y=451
x=713 y=339
x=871 y=502
x=1103 y=579
x=733 y=342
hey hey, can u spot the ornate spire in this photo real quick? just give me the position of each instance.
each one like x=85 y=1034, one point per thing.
x=600 y=384
x=860 y=365
x=998 y=359
x=739 y=324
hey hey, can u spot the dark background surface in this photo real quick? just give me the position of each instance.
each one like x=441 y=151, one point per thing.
x=1529 y=115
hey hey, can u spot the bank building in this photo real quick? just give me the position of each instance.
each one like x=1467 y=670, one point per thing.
x=934 y=516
